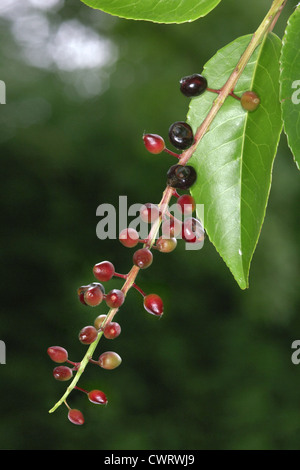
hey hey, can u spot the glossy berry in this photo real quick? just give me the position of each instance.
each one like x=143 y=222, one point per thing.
x=129 y=237
x=143 y=258
x=80 y=292
x=149 y=212
x=88 y=334
x=104 y=271
x=154 y=304
x=112 y=330
x=62 y=373
x=154 y=143
x=181 y=135
x=192 y=231
x=115 y=298
x=181 y=176
x=193 y=85
x=57 y=354
x=98 y=321
x=250 y=101
x=76 y=417
x=109 y=360
x=98 y=397
x=93 y=296
x=82 y=289
x=186 y=203
x=171 y=227
x=166 y=245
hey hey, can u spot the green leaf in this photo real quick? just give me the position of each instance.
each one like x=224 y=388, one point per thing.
x=290 y=84
x=234 y=159
x=158 y=11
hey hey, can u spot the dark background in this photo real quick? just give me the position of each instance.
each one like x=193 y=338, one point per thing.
x=215 y=372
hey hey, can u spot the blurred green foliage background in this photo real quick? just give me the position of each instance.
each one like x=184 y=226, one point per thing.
x=215 y=372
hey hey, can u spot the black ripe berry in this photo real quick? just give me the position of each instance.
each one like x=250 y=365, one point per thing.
x=181 y=135
x=193 y=85
x=181 y=176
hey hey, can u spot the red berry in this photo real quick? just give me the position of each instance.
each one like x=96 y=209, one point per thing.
x=98 y=321
x=129 y=237
x=171 y=227
x=143 y=258
x=166 y=245
x=149 y=212
x=93 y=296
x=104 y=271
x=154 y=304
x=193 y=85
x=112 y=330
x=76 y=417
x=57 y=354
x=192 y=230
x=115 y=298
x=109 y=360
x=250 y=101
x=62 y=373
x=154 y=143
x=88 y=334
x=98 y=397
x=186 y=204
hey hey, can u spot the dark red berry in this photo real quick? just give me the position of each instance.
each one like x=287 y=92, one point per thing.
x=62 y=373
x=154 y=143
x=193 y=85
x=129 y=237
x=104 y=271
x=171 y=227
x=250 y=101
x=149 y=212
x=166 y=245
x=80 y=292
x=88 y=334
x=181 y=176
x=143 y=258
x=186 y=204
x=154 y=304
x=98 y=321
x=115 y=298
x=93 y=296
x=181 y=135
x=112 y=330
x=109 y=360
x=97 y=397
x=192 y=230
x=57 y=354
x=76 y=417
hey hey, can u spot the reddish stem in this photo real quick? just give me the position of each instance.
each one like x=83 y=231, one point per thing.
x=139 y=289
x=175 y=194
x=171 y=153
x=75 y=364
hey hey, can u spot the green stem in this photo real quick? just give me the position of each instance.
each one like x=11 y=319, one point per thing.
x=265 y=27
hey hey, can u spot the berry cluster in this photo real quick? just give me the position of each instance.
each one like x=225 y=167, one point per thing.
x=92 y=295
x=179 y=177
